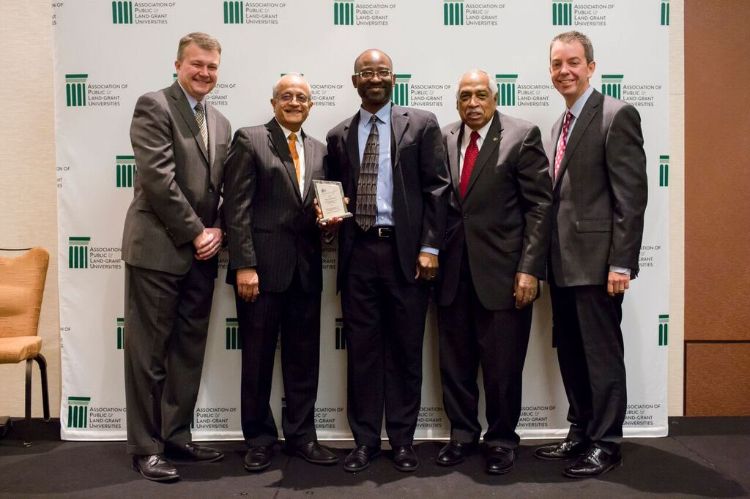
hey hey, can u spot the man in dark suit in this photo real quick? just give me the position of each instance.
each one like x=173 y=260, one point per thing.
x=391 y=163
x=599 y=199
x=275 y=266
x=494 y=255
x=170 y=241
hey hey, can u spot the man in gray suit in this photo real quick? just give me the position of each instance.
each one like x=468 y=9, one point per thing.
x=495 y=253
x=599 y=200
x=170 y=243
x=391 y=162
x=276 y=268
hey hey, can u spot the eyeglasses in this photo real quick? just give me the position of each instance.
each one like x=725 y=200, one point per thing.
x=301 y=98
x=369 y=73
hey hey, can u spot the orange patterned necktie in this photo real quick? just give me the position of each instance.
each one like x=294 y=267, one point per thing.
x=293 y=151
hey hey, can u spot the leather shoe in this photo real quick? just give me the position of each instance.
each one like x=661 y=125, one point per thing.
x=562 y=450
x=258 y=458
x=594 y=463
x=313 y=452
x=404 y=458
x=359 y=458
x=193 y=452
x=453 y=453
x=155 y=467
x=499 y=460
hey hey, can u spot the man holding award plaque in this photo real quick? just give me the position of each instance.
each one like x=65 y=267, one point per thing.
x=391 y=163
x=275 y=266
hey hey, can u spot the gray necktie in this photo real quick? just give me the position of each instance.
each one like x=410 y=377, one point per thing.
x=200 y=118
x=367 y=184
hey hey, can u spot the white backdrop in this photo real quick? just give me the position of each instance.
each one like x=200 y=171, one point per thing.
x=107 y=53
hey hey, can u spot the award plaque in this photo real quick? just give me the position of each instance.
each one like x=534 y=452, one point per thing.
x=330 y=196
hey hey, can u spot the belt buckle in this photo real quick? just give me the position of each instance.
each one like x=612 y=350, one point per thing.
x=384 y=232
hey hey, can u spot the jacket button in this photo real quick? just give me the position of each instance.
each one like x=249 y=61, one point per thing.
x=210 y=189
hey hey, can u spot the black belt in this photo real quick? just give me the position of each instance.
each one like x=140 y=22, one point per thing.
x=380 y=232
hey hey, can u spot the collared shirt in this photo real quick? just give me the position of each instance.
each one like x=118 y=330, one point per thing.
x=385 y=169
x=192 y=103
x=300 y=152
x=467 y=138
x=575 y=110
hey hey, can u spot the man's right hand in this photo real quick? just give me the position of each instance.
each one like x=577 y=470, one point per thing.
x=247 y=284
x=207 y=243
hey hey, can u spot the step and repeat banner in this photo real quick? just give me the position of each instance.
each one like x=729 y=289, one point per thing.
x=108 y=53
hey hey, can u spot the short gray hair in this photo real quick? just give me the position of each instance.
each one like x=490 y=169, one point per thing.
x=492 y=82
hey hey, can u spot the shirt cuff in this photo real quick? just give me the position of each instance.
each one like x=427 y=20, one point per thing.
x=619 y=270
x=427 y=249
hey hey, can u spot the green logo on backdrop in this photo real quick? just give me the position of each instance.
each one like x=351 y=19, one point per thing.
x=612 y=85
x=233 y=12
x=663 y=171
x=562 y=13
x=506 y=92
x=122 y=12
x=120 y=324
x=78 y=412
x=453 y=12
x=340 y=338
x=233 y=339
x=663 y=330
x=343 y=13
x=665 y=12
x=125 y=170
x=75 y=90
x=78 y=252
x=401 y=90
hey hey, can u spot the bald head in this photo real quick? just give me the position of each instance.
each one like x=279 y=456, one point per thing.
x=290 y=79
x=371 y=55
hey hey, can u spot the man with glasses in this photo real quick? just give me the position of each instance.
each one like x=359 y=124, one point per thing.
x=391 y=162
x=275 y=266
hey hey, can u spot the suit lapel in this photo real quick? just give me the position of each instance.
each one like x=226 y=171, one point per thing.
x=579 y=129
x=352 y=147
x=399 y=125
x=183 y=106
x=489 y=146
x=211 y=124
x=454 y=156
x=278 y=141
x=310 y=161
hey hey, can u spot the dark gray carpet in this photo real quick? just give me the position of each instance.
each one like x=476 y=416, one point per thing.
x=704 y=457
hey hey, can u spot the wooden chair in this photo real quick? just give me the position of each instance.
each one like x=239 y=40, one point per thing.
x=21 y=290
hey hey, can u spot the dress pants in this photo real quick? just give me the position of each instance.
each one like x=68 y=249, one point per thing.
x=586 y=330
x=294 y=313
x=384 y=320
x=470 y=336
x=166 y=325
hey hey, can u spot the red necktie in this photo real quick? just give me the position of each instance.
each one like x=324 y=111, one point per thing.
x=563 y=143
x=470 y=157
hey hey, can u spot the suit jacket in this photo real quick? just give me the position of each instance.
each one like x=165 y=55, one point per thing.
x=178 y=185
x=503 y=222
x=271 y=225
x=420 y=183
x=599 y=197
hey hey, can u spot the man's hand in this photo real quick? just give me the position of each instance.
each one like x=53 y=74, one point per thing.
x=427 y=266
x=207 y=243
x=248 y=284
x=617 y=283
x=330 y=225
x=525 y=289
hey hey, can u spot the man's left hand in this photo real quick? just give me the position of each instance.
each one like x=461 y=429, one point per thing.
x=525 y=289
x=210 y=249
x=427 y=266
x=617 y=283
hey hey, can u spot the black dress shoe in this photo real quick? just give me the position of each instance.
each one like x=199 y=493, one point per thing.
x=193 y=452
x=499 y=460
x=258 y=458
x=562 y=450
x=453 y=453
x=594 y=463
x=155 y=467
x=404 y=458
x=359 y=458
x=313 y=452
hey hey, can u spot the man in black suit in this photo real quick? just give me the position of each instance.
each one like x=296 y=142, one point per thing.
x=391 y=163
x=599 y=200
x=275 y=266
x=170 y=241
x=494 y=255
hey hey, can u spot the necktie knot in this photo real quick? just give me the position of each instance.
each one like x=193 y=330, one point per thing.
x=474 y=136
x=292 y=137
